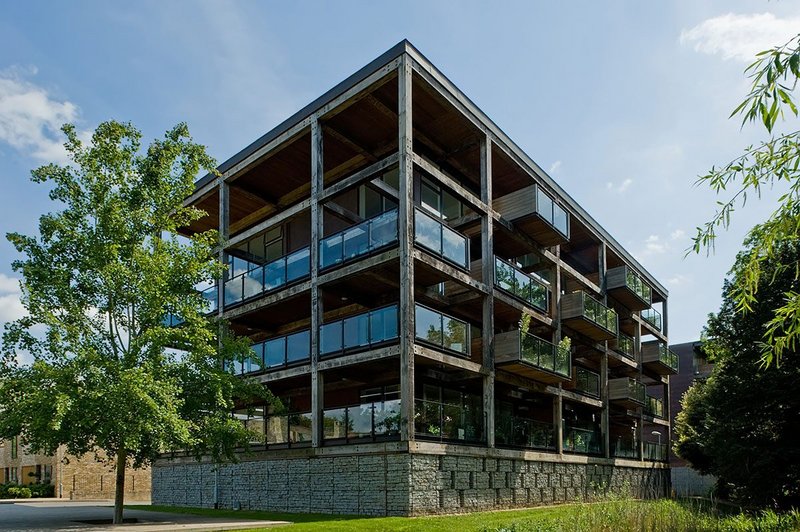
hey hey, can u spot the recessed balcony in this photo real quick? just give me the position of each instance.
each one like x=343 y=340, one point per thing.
x=628 y=288
x=654 y=407
x=531 y=290
x=624 y=345
x=626 y=392
x=659 y=358
x=652 y=317
x=257 y=279
x=535 y=213
x=588 y=316
x=359 y=240
x=530 y=356
x=437 y=237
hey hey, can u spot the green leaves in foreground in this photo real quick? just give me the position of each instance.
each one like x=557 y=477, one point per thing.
x=774 y=162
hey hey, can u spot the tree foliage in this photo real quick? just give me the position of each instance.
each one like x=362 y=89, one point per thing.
x=773 y=162
x=741 y=425
x=108 y=376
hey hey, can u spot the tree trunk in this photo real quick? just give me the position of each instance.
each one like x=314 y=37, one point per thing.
x=119 y=494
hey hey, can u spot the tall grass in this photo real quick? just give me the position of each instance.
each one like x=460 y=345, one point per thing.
x=621 y=514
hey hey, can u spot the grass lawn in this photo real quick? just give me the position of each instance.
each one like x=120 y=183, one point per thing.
x=613 y=515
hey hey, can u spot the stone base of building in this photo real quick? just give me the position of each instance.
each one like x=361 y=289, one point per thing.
x=398 y=479
x=689 y=483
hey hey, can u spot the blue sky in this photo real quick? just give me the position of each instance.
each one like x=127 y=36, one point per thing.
x=625 y=103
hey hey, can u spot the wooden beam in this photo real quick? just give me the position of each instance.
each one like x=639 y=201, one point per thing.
x=265 y=301
x=201 y=193
x=287 y=373
x=344 y=214
x=359 y=177
x=450 y=183
x=513 y=302
x=359 y=266
x=251 y=196
x=456 y=274
x=448 y=360
x=369 y=156
x=360 y=358
x=269 y=223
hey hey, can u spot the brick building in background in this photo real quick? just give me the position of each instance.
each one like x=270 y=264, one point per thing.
x=72 y=478
x=693 y=366
x=447 y=328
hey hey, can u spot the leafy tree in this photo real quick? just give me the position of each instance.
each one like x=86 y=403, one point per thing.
x=772 y=162
x=741 y=425
x=108 y=376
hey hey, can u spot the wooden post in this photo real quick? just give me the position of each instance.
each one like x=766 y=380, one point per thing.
x=558 y=420
x=487 y=269
x=558 y=407
x=224 y=234
x=405 y=224
x=317 y=382
x=638 y=351
x=602 y=267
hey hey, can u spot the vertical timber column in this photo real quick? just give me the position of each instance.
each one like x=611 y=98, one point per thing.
x=224 y=234
x=602 y=266
x=666 y=389
x=406 y=231
x=487 y=266
x=558 y=406
x=317 y=382
x=638 y=351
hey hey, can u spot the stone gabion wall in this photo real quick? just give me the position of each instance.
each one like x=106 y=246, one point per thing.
x=366 y=485
x=449 y=484
x=397 y=484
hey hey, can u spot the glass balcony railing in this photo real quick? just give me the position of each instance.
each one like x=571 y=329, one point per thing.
x=587 y=382
x=441 y=330
x=552 y=212
x=668 y=357
x=362 y=422
x=656 y=452
x=359 y=332
x=277 y=352
x=600 y=314
x=625 y=346
x=625 y=448
x=435 y=236
x=521 y=285
x=654 y=406
x=268 y=277
x=583 y=441
x=516 y=431
x=289 y=429
x=638 y=286
x=653 y=317
x=448 y=422
x=544 y=355
x=362 y=239
x=636 y=391
x=209 y=296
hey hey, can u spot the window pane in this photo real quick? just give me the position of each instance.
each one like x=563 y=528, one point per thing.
x=299 y=428
x=360 y=421
x=430 y=197
x=560 y=220
x=274 y=274
x=330 y=251
x=427 y=232
x=277 y=429
x=257 y=358
x=356 y=331
x=455 y=334
x=504 y=276
x=298 y=264
x=356 y=241
x=387 y=417
x=383 y=324
x=371 y=203
x=544 y=205
x=451 y=207
x=233 y=290
x=331 y=337
x=454 y=246
x=334 y=422
x=298 y=347
x=392 y=178
x=428 y=325
x=273 y=250
x=253 y=283
x=274 y=352
x=383 y=229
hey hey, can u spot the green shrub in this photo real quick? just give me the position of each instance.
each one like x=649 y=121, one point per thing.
x=42 y=490
x=17 y=492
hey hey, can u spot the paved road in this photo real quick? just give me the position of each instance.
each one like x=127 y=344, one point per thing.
x=67 y=515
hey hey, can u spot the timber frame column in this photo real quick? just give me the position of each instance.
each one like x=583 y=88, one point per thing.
x=638 y=350
x=405 y=226
x=317 y=382
x=558 y=402
x=487 y=268
x=224 y=234
x=602 y=265
x=666 y=388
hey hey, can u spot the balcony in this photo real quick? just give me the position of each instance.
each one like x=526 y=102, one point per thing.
x=656 y=452
x=435 y=236
x=275 y=353
x=269 y=277
x=581 y=441
x=289 y=430
x=209 y=296
x=654 y=407
x=530 y=356
x=513 y=431
x=529 y=289
x=588 y=316
x=587 y=382
x=442 y=331
x=363 y=239
x=359 y=332
x=535 y=213
x=625 y=448
x=624 y=345
x=628 y=288
x=626 y=392
x=362 y=423
x=447 y=422
x=652 y=317
x=659 y=358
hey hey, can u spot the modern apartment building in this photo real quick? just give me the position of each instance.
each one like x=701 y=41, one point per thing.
x=447 y=328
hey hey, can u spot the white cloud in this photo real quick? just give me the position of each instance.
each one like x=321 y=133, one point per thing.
x=740 y=37
x=10 y=306
x=654 y=245
x=677 y=234
x=30 y=119
x=622 y=187
x=555 y=167
x=678 y=280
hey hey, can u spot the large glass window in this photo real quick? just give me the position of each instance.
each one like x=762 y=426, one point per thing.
x=442 y=330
